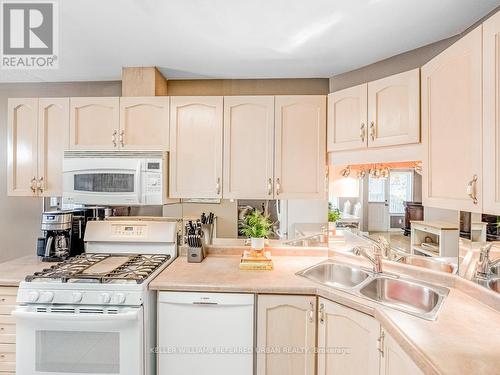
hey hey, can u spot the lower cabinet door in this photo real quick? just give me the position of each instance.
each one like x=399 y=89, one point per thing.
x=347 y=341
x=286 y=335
x=395 y=361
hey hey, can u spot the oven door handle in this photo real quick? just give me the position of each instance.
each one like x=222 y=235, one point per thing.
x=30 y=315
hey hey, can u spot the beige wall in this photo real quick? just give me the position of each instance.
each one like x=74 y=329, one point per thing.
x=20 y=217
x=298 y=86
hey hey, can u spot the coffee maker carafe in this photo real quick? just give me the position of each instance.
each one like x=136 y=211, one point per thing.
x=55 y=246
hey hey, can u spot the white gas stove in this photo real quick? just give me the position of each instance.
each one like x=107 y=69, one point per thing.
x=93 y=314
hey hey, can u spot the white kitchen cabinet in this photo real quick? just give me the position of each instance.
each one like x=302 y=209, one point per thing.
x=300 y=147
x=286 y=326
x=53 y=139
x=347 y=341
x=248 y=147
x=94 y=123
x=7 y=331
x=394 y=110
x=37 y=136
x=452 y=126
x=347 y=119
x=491 y=119
x=394 y=360
x=196 y=146
x=144 y=123
x=22 y=141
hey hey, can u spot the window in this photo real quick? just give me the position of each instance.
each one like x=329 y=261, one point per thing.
x=400 y=190
x=376 y=190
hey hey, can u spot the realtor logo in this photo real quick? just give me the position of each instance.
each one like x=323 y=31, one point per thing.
x=29 y=35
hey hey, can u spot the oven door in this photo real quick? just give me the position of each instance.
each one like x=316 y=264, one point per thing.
x=69 y=340
x=102 y=181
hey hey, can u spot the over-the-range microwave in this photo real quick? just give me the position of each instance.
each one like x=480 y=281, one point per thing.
x=115 y=178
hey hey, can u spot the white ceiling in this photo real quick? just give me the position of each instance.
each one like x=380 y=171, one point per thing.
x=245 y=38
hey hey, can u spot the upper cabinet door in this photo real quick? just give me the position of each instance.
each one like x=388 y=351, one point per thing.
x=22 y=147
x=347 y=119
x=394 y=110
x=451 y=126
x=53 y=138
x=248 y=147
x=300 y=147
x=491 y=119
x=341 y=327
x=94 y=123
x=144 y=123
x=196 y=147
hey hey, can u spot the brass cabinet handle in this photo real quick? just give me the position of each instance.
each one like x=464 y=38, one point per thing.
x=322 y=313
x=311 y=312
x=362 y=132
x=39 y=185
x=270 y=187
x=380 y=343
x=33 y=185
x=122 y=138
x=372 y=130
x=113 y=138
x=278 y=186
x=217 y=186
x=471 y=189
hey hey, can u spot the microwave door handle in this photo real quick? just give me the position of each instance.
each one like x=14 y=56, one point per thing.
x=140 y=176
x=75 y=317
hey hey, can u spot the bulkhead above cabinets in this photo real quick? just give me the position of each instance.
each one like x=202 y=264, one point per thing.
x=380 y=113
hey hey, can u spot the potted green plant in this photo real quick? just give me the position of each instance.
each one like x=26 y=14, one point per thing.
x=333 y=216
x=256 y=226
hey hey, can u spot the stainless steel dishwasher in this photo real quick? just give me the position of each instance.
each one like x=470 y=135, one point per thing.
x=205 y=333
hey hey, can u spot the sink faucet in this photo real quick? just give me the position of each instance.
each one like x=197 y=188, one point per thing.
x=375 y=259
x=388 y=252
x=484 y=264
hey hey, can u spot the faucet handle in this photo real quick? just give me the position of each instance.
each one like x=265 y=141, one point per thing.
x=485 y=250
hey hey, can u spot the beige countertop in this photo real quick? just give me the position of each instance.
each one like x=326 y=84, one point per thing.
x=465 y=339
x=12 y=272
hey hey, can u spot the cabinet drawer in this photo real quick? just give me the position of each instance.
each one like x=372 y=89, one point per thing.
x=7 y=300
x=7 y=330
x=8 y=357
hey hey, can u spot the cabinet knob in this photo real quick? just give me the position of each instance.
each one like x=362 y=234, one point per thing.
x=217 y=186
x=362 y=132
x=122 y=138
x=372 y=130
x=39 y=185
x=33 y=185
x=311 y=312
x=471 y=189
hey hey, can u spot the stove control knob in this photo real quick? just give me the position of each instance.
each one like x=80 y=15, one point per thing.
x=105 y=298
x=77 y=297
x=47 y=297
x=33 y=296
x=119 y=298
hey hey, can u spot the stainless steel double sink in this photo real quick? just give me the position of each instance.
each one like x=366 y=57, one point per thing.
x=413 y=297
